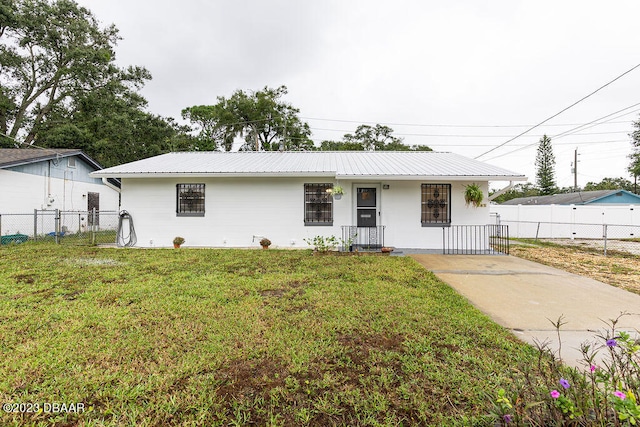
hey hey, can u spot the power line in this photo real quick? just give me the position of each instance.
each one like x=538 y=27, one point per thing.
x=560 y=112
x=597 y=120
x=563 y=134
x=431 y=135
x=364 y=122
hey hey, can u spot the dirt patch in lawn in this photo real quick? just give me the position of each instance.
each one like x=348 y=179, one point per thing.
x=616 y=270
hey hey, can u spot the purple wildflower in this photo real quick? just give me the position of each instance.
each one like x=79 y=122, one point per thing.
x=620 y=394
x=593 y=368
x=507 y=418
x=612 y=342
x=555 y=394
x=564 y=383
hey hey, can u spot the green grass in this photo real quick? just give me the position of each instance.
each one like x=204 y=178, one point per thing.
x=235 y=337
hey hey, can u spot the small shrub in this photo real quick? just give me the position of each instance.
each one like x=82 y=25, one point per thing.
x=599 y=394
x=323 y=244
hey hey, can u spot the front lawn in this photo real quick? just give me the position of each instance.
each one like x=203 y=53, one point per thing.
x=237 y=337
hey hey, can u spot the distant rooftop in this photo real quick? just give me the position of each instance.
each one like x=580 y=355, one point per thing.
x=20 y=156
x=340 y=164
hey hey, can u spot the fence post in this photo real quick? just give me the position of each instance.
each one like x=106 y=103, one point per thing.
x=35 y=225
x=56 y=227
x=93 y=226
x=604 y=235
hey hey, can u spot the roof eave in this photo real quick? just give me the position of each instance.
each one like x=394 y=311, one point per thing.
x=438 y=177
x=103 y=174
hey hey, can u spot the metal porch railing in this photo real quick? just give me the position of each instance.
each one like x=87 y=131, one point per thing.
x=362 y=238
x=488 y=239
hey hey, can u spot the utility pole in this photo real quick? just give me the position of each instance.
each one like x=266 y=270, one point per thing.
x=575 y=170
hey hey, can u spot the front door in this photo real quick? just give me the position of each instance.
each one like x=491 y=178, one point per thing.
x=366 y=207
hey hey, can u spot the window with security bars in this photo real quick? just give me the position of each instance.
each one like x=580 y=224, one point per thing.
x=190 y=199
x=318 y=204
x=436 y=206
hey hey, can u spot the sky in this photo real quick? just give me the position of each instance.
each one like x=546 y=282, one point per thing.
x=463 y=76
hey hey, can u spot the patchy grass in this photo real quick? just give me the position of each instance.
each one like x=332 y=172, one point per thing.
x=237 y=337
x=616 y=269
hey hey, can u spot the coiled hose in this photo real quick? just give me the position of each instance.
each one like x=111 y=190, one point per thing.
x=121 y=239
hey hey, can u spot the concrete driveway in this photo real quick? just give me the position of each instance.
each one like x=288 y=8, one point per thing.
x=525 y=297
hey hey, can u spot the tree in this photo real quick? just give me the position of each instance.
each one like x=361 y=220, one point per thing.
x=371 y=138
x=52 y=53
x=112 y=126
x=545 y=167
x=261 y=118
x=610 y=184
x=518 y=190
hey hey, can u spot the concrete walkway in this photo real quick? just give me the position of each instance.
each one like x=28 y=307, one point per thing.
x=525 y=297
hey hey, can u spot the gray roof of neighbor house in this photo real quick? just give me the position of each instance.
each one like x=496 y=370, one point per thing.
x=10 y=157
x=577 y=198
x=22 y=156
x=339 y=164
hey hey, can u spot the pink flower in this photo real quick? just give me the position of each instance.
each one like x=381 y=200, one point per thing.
x=555 y=394
x=593 y=368
x=620 y=395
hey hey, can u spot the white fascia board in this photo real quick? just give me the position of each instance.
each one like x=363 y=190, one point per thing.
x=212 y=175
x=447 y=178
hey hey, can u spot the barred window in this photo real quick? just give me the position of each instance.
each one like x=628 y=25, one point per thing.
x=190 y=199
x=318 y=204
x=436 y=206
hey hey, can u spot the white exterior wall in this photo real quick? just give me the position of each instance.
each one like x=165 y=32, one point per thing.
x=238 y=211
x=23 y=192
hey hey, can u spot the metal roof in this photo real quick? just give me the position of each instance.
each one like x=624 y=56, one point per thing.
x=339 y=164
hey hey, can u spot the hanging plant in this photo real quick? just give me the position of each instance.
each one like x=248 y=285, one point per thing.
x=336 y=191
x=473 y=195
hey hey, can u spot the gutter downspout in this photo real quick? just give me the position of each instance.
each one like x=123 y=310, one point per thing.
x=502 y=191
x=106 y=182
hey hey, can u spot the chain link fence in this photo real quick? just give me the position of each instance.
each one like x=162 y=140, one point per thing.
x=62 y=227
x=599 y=237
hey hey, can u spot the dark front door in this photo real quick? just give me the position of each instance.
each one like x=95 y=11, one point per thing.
x=366 y=207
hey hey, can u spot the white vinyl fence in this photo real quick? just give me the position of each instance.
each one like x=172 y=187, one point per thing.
x=602 y=227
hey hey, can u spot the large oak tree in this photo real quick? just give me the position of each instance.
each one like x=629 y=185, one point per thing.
x=262 y=120
x=52 y=53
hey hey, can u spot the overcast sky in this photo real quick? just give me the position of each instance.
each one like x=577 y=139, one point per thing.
x=462 y=76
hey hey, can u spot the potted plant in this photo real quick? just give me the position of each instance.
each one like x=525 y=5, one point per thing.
x=265 y=243
x=336 y=192
x=178 y=241
x=473 y=195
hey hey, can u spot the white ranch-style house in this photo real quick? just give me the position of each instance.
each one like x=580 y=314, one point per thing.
x=232 y=199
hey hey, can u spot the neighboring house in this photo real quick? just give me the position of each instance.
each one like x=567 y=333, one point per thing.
x=218 y=199
x=48 y=179
x=598 y=197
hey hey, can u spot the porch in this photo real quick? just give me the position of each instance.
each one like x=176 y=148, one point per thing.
x=487 y=239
